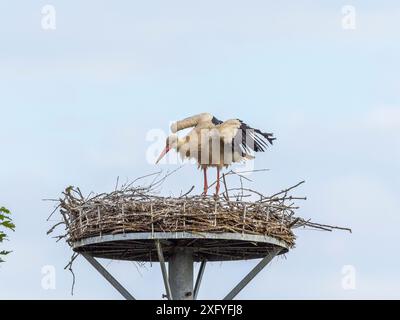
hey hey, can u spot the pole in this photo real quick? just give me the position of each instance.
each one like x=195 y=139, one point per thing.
x=180 y=266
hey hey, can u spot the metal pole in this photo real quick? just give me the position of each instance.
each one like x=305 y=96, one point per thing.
x=180 y=267
x=199 y=278
x=108 y=276
x=250 y=276
x=163 y=270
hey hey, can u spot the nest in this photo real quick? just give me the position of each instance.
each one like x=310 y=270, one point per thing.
x=138 y=209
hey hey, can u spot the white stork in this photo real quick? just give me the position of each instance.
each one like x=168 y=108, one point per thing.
x=214 y=143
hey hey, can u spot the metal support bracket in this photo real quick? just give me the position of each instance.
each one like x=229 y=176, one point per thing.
x=163 y=270
x=199 y=278
x=250 y=276
x=108 y=276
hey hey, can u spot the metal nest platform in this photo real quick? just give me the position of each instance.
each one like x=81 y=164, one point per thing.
x=180 y=250
x=132 y=223
x=204 y=246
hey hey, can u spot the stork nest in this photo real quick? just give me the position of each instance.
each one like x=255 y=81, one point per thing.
x=138 y=209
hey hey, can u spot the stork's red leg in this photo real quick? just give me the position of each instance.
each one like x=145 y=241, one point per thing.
x=205 y=181
x=218 y=182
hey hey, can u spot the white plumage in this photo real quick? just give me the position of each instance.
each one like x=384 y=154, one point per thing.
x=214 y=143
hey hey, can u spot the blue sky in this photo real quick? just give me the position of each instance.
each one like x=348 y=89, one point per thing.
x=76 y=104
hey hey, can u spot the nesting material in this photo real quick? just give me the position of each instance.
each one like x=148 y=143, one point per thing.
x=138 y=209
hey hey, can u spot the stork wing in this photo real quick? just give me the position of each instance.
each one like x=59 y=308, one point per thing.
x=216 y=122
x=254 y=139
x=243 y=137
x=192 y=121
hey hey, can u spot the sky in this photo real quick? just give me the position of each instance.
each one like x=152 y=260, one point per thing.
x=78 y=104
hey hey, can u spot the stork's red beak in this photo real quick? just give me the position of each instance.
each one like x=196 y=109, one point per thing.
x=165 y=151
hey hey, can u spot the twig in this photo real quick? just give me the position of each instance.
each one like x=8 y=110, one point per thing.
x=185 y=194
x=286 y=190
x=69 y=267
x=55 y=226
x=55 y=209
x=116 y=184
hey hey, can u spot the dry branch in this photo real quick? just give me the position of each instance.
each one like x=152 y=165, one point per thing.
x=139 y=209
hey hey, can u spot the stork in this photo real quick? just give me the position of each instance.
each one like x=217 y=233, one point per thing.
x=216 y=143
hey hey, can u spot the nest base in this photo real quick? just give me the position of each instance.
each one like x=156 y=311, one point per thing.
x=140 y=246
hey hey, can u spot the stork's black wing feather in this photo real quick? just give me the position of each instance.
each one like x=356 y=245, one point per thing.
x=253 y=139
x=215 y=121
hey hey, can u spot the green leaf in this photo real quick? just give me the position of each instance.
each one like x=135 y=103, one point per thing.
x=4 y=210
x=4 y=253
x=5 y=222
x=8 y=224
x=3 y=217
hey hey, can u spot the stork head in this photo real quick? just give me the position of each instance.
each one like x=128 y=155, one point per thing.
x=170 y=143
